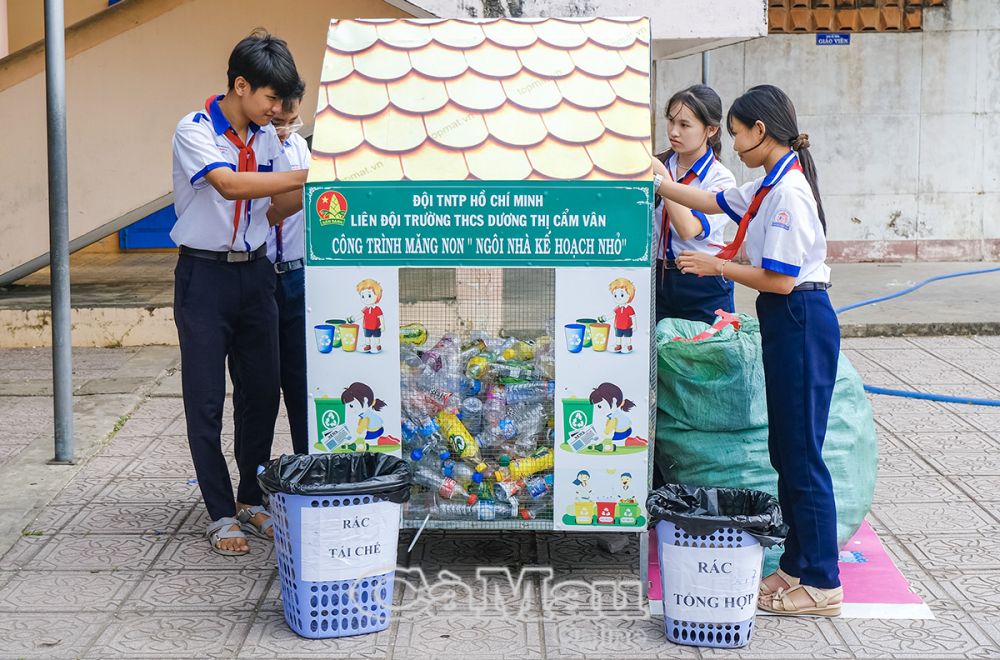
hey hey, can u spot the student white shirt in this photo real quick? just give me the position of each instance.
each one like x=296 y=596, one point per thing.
x=204 y=217
x=785 y=236
x=293 y=235
x=712 y=176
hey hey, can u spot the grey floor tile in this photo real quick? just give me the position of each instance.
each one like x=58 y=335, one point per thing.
x=104 y=552
x=497 y=593
x=172 y=635
x=199 y=590
x=973 y=590
x=962 y=463
x=989 y=422
x=936 y=518
x=980 y=489
x=897 y=490
x=464 y=549
x=944 y=442
x=33 y=635
x=155 y=467
x=163 y=518
x=270 y=637
x=23 y=551
x=192 y=552
x=81 y=489
x=53 y=518
x=970 y=551
x=66 y=591
x=465 y=635
x=591 y=593
x=567 y=550
x=902 y=423
x=899 y=464
x=572 y=637
x=150 y=491
x=785 y=637
x=944 y=637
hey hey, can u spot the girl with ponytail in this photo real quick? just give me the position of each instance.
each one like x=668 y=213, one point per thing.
x=782 y=228
x=694 y=117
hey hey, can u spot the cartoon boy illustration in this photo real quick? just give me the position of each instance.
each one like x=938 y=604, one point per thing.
x=623 y=292
x=371 y=315
x=627 y=493
x=360 y=401
x=583 y=491
x=610 y=409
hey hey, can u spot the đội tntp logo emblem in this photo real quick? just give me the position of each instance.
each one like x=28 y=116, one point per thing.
x=331 y=207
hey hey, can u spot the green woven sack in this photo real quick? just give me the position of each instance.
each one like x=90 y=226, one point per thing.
x=711 y=423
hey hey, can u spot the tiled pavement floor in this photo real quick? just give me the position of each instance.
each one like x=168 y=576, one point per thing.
x=117 y=565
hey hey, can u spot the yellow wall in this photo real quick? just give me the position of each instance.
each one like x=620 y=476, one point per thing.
x=26 y=19
x=125 y=94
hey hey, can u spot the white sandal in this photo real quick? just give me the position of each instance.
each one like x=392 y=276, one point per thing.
x=220 y=529
x=244 y=516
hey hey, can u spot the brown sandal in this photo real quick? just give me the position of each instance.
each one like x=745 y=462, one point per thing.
x=764 y=590
x=826 y=602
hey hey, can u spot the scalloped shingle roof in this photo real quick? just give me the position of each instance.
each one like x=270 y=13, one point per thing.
x=484 y=99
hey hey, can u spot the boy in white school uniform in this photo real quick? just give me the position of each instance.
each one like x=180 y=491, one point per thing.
x=224 y=284
x=286 y=250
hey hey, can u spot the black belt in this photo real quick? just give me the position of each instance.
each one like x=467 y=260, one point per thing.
x=813 y=286
x=288 y=266
x=228 y=257
x=669 y=264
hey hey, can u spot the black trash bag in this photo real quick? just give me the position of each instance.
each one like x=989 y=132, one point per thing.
x=700 y=511
x=365 y=473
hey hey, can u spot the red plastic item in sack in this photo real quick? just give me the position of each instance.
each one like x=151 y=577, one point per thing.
x=724 y=319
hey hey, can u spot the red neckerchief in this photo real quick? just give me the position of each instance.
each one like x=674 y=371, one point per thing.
x=730 y=251
x=247 y=163
x=665 y=220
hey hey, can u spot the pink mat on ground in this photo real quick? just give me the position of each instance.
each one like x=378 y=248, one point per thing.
x=873 y=586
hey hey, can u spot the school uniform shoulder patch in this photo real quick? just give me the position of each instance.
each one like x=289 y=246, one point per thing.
x=782 y=220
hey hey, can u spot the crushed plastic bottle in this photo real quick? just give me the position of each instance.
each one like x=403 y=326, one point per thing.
x=446 y=487
x=472 y=414
x=524 y=421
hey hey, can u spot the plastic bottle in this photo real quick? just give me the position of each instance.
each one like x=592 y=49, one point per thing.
x=470 y=386
x=537 y=486
x=472 y=414
x=540 y=461
x=463 y=473
x=519 y=350
x=493 y=410
x=435 y=357
x=524 y=421
x=462 y=443
x=531 y=392
x=504 y=490
x=510 y=370
x=534 y=509
x=446 y=487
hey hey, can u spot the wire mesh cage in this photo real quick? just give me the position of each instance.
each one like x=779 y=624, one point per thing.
x=477 y=381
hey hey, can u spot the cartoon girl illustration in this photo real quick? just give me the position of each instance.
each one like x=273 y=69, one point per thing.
x=360 y=401
x=583 y=491
x=610 y=408
x=623 y=292
x=371 y=315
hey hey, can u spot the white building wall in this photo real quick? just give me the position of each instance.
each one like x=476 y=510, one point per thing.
x=905 y=129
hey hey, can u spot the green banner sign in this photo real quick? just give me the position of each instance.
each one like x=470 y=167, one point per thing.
x=478 y=223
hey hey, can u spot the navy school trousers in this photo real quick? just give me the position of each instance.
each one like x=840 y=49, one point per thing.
x=800 y=337
x=290 y=298
x=227 y=309
x=687 y=296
